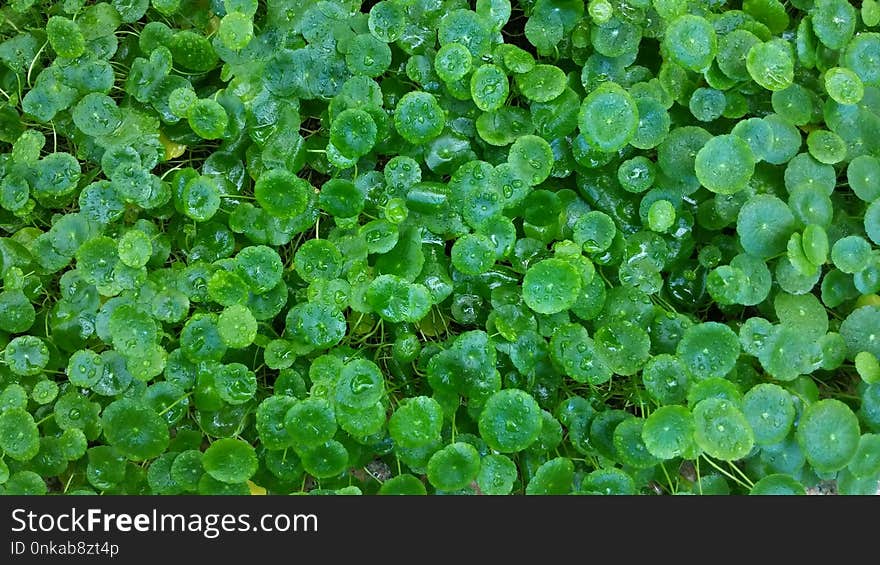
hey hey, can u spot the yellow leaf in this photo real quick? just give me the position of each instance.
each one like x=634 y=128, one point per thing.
x=172 y=149
x=213 y=25
x=868 y=300
x=255 y=488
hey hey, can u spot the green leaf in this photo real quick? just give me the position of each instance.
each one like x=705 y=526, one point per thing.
x=722 y=430
x=453 y=467
x=19 y=436
x=510 y=421
x=552 y=477
x=230 y=460
x=137 y=431
x=828 y=432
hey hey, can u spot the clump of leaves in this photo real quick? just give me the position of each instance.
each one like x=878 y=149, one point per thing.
x=544 y=247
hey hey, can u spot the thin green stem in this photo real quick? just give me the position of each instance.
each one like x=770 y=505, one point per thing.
x=743 y=475
x=374 y=477
x=175 y=403
x=672 y=488
x=453 y=425
x=11 y=23
x=69 y=480
x=725 y=473
x=45 y=418
x=33 y=62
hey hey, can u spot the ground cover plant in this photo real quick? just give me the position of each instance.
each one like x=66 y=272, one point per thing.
x=439 y=246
